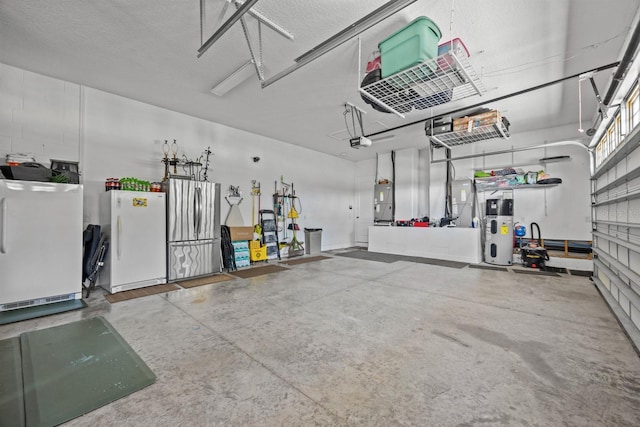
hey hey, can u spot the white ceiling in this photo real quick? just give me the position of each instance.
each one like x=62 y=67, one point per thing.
x=148 y=51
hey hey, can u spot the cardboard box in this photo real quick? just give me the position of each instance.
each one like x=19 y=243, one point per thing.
x=472 y=122
x=259 y=254
x=241 y=233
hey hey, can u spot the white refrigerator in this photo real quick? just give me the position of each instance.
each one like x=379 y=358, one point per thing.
x=135 y=224
x=40 y=243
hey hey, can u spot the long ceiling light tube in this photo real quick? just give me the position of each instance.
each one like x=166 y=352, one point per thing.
x=348 y=33
x=234 y=79
x=227 y=24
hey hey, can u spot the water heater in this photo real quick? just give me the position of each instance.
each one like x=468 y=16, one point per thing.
x=498 y=248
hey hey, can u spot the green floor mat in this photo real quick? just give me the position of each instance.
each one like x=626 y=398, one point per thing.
x=371 y=256
x=72 y=369
x=11 y=395
x=26 y=313
x=488 y=267
x=439 y=262
x=534 y=272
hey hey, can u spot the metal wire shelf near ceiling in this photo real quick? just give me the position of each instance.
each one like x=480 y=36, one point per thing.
x=482 y=133
x=445 y=78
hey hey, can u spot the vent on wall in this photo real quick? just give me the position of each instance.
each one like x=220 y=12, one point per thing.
x=37 y=301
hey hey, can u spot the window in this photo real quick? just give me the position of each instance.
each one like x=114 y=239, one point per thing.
x=615 y=132
x=602 y=150
x=599 y=155
x=633 y=108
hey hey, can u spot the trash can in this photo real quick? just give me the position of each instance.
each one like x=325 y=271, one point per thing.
x=313 y=241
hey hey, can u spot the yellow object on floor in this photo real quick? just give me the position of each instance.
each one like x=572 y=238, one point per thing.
x=259 y=254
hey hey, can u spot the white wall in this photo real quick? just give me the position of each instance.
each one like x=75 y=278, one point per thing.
x=113 y=136
x=423 y=183
x=409 y=185
x=39 y=116
x=563 y=212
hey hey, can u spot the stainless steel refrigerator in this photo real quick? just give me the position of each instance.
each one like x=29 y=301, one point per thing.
x=193 y=229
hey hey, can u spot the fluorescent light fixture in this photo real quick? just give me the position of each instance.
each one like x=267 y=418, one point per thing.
x=348 y=33
x=233 y=80
x=225 y=27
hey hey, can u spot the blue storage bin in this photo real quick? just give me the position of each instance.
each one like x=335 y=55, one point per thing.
x=410 y=46
x=433 y=100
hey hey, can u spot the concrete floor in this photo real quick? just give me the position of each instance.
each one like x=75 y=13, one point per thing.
x=353 y=342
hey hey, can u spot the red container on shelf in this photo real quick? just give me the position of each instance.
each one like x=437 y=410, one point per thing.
x=420 y=224
x=457 y=47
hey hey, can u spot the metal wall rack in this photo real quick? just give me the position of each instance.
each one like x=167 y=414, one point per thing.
x=483 y=188
x=445 y=78
x=451 y=139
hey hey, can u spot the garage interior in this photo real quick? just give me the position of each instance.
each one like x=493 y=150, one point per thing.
x=390 y=321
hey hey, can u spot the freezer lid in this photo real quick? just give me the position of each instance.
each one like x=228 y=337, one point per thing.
x=193 y=210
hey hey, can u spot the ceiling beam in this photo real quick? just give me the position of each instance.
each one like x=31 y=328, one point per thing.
x=226 y=26
x=348 y=33
x=268 y=22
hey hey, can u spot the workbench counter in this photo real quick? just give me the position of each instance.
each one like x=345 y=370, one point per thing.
x=452 y=244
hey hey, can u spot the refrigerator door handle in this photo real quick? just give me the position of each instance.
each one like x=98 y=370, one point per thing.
x=3 y=224
x=199 y=192
x=195 y=213
x=119 y=236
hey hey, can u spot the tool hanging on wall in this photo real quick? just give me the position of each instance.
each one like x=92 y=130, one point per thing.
x=287 y=207
x=279 y=206
x=295 y=247
x=234 y=198
x=255 y=192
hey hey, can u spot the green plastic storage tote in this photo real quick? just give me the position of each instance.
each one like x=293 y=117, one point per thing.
x=410 y=46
